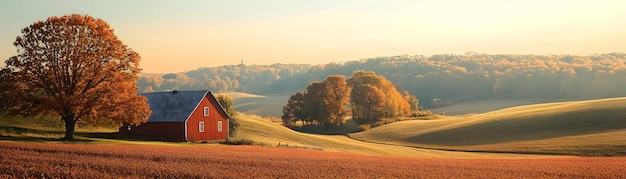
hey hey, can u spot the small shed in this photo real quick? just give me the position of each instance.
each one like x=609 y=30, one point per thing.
x=182 y=116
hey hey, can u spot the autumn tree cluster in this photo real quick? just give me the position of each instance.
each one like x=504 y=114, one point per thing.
x=322 y=103
x=366 y=96
x=374 y=97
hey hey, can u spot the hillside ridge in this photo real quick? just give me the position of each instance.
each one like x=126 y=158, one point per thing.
x=561 y=124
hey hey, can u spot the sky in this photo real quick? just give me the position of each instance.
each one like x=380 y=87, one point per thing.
x=178 y=36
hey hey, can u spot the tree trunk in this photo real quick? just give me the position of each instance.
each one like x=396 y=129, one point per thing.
x=70 y=124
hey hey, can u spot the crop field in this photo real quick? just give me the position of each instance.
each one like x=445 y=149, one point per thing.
x=207 y=161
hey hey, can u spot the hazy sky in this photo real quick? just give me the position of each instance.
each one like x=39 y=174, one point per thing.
x=175 y=36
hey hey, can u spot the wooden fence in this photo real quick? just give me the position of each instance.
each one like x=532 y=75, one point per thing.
x=285 y=145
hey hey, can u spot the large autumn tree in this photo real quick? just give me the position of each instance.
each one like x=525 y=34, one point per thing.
x=76 y=67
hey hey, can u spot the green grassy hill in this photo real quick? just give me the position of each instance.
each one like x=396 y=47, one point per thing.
x=260 y=130
x=594 y=127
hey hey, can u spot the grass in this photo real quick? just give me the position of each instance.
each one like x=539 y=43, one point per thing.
x=482 y=106
x=43 y=128
x=263 y=131
x=571 y=128
x=37 y=160
x=270 y=105
x=47 y=129
x=34 y=129
x=46 y=123
x=391 y=151
x=593 y=127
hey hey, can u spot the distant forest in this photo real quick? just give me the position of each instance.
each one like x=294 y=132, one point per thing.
x=437 y=80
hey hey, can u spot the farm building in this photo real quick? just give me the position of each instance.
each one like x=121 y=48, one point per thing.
x=182 y=116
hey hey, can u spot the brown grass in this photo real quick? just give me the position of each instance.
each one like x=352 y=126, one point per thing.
x=36 y=160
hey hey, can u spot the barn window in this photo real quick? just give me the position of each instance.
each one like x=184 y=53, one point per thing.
x=206 y=111
x=219 y=126
x=201 y=127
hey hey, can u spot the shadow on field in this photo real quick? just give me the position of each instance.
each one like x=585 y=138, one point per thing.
x=324 y=130
x=35 y=135
x=344 y=129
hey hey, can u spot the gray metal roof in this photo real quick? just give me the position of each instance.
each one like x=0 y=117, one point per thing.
x=173 y=106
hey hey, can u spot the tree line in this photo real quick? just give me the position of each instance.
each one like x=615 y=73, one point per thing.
x=438 y=79
x=244 y=78
x=365 y=96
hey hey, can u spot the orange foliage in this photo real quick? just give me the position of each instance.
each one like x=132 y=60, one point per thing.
x=36 y=160
x=325 y=102
x=368 y=103
x=74 y=66
x=394 y=103
x=339 y=97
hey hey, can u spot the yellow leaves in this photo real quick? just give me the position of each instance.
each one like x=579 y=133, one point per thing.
x=395 y=104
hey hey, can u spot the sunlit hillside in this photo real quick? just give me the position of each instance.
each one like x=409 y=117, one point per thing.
x=262 y=131
x=482 y=106
x=269 y=105
x=595 y=127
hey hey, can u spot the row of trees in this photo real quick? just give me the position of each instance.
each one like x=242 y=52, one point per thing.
x=439 y=79
x=366 y=96
x=245 y=78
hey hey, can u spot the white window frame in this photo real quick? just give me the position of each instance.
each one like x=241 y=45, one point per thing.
x=206 y=111
x=201 y=126
x=219 y=126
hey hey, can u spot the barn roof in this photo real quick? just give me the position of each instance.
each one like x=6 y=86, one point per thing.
x=173 y=106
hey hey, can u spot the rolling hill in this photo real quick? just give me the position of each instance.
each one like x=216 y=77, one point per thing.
x=483 y=106
x=262 y=105
x=593 y=127
x=260 y=130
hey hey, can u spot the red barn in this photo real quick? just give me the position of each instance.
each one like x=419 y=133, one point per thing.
x=182 y=116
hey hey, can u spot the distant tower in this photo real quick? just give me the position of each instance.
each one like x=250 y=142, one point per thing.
x=241 y=62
